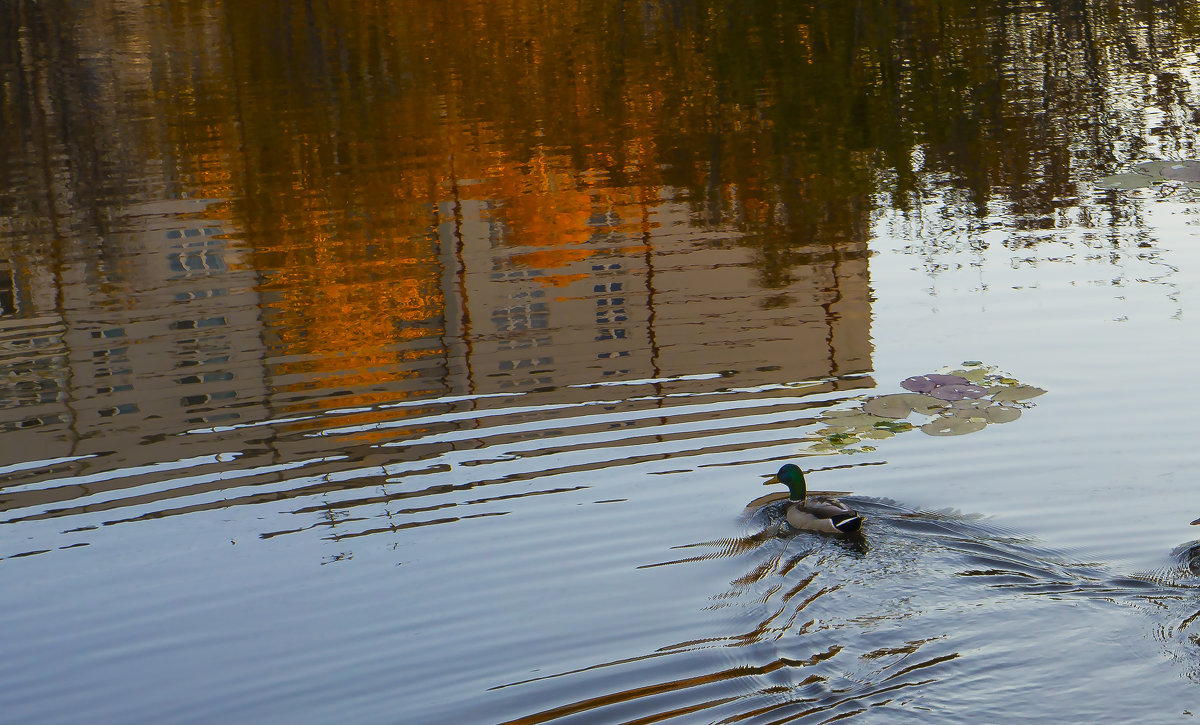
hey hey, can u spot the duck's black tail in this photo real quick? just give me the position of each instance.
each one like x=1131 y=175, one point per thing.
x=847 y=523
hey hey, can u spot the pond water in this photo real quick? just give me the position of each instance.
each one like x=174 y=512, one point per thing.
x=422 y=362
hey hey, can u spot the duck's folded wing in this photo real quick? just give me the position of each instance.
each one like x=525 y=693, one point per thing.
x=826 y=509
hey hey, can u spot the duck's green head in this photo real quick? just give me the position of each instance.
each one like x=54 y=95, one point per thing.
x=791 y=476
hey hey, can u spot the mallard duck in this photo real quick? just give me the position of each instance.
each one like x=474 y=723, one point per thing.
x=828 y=515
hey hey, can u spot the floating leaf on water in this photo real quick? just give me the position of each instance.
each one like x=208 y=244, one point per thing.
x=834 y=414
x=965 y=413
x=1014 y=393
x=1001 y=414
x=895 y=426
x=895 y=405
x=953 y=426
x=842 y=439
x=972 y=363
x=924 y=404
x=942 y=379
x=958 y=391
x=878 y=434
x=1181 y=171
x=1126 y=182
x=1151 y=168
x=970 y=404
x=918 y=384
x=899 y=405
x=855 y=419
x=972 y=376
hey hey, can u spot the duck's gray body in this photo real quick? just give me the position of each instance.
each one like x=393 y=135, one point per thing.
x=828 y=515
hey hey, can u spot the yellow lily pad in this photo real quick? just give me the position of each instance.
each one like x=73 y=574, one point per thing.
x=854 y=419
x=877 y=434
x=953 y=426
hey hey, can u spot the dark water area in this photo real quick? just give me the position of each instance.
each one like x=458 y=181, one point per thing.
x=424 y=362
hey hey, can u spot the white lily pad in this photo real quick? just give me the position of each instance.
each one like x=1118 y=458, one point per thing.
x=953 y=426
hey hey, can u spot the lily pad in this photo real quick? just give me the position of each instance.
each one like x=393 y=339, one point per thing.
x=833 y=430
x=970 y=404
x=958 y=391
x=889 y=406
x=953 y=426
x=877 y=434
x=837 y=414
x=1001 y=414
x=941 y=379
x=1126 y=182
x=1151 y=168
x=925 y=404
x=965 y=413
x=854 y=419
x=1014 y=393
x=900 y=405
x=918 y=384
x=972 y=376
x=1182 y=171
x=895 y=426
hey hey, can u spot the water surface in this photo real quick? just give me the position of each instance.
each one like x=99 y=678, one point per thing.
x=393 y=362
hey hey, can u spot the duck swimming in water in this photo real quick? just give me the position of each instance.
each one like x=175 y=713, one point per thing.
x=828 y=515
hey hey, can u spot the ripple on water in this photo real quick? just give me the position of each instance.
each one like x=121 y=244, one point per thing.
x=612 y=618
x=918 y=617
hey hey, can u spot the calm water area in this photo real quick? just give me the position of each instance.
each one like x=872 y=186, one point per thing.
x=424 y=362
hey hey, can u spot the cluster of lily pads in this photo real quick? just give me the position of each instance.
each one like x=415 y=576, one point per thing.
x=952 y=402
x=1167 y=175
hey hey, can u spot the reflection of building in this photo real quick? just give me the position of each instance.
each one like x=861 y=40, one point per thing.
x=160 y=337
x=165 y=330
x=679 y=300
